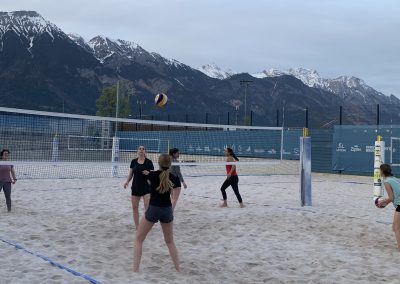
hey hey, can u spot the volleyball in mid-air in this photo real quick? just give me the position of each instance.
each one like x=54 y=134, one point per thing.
x=161 y=99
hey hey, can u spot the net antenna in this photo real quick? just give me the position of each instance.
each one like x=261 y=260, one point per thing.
x=115 y=141
x=283 y=125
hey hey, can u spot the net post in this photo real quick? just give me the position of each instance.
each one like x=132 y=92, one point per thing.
x=54 y=153
x=379 y=159
x=305 y=169
x=168 y=147
x=115 y=157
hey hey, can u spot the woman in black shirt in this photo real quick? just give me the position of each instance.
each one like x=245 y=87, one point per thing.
x=140 y=187
x=160 y=209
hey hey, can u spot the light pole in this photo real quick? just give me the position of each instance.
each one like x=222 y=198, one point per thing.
x=140 y=103
x=246 y=83
x=237 y=115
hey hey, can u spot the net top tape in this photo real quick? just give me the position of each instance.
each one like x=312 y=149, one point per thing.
x=138 y=121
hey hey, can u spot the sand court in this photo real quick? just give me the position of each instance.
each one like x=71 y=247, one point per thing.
x=87 y=225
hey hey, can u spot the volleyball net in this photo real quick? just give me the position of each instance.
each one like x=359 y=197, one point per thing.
x=59 y=145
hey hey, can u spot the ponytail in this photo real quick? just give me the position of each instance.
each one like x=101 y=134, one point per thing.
x=235 y=157
x=165 y=183
x=230 y=151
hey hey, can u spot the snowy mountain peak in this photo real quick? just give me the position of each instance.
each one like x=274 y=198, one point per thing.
x=272 y=72
x=342 y=85
x=104 y=47
x=79 y=41
x=308 y=76
x=214 y=71
x=352 y=82
x=27 y=24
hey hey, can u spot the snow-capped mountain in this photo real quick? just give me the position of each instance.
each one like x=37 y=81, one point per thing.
x=80 y=41
x=44 y=68
x=342 y=85
x=268 y=73
x=27 y=24
x=104 y=47
x=309 y=77
x=214 y=71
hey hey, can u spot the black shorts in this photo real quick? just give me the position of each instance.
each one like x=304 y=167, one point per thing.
x=398 y=208
x=140 y=191
x=163 y=214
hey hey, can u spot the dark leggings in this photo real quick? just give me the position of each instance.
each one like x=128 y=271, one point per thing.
x=232 y=181
x=6 y=186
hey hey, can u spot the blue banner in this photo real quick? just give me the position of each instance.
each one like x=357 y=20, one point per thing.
x=245 y=143
x=353 y=147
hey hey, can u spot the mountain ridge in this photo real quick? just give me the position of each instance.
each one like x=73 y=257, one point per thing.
x=48 y=68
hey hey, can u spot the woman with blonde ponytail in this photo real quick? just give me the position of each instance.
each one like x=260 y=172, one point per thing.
x=162 y=182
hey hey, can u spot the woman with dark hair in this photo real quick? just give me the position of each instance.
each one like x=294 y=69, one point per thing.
x=392 y=186
x=162 y=182
x=232 y=178
x=140 y=187
x=7 y=177
x=176 y=171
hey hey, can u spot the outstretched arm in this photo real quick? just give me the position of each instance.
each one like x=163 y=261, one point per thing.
x=390 y=193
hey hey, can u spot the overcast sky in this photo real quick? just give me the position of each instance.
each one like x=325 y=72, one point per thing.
x=335 y=37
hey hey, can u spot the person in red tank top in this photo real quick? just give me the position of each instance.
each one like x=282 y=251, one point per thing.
x=230 y=171
x=232 y=178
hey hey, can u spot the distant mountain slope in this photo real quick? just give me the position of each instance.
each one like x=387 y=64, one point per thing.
x=43 y=68
x=214 y=71
x=348 y=88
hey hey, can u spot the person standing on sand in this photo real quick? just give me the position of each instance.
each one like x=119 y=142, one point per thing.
x=176 y=171
x=392 y=186
x=232 y=178
x=7 y=177
x=162 y=182
x=140 y=187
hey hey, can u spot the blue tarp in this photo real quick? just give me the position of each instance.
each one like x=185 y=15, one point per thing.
x=353 y=147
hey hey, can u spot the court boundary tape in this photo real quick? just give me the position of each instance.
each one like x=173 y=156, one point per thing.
x=52 y=262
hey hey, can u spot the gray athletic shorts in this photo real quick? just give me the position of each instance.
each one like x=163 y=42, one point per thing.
x=162 y=214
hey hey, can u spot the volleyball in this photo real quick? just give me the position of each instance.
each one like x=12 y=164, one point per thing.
x=377 y=199
x=161 y=99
